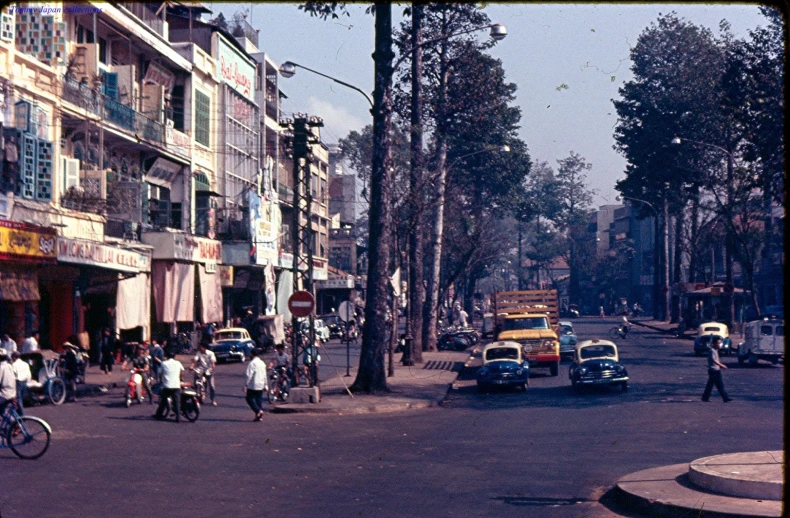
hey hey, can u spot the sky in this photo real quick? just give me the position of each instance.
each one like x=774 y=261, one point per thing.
x=567 y=60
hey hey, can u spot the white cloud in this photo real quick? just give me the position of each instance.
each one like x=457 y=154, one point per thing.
x=338 y=121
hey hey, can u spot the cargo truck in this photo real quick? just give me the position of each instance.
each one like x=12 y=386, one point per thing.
x=530 y=318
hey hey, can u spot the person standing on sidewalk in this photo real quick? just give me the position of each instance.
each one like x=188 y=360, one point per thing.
x=172 y=371
x=106 y=351
x=714 y=373
x=255 y=384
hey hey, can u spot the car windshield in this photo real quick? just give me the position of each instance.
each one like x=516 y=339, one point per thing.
x=566 y=330
x=714 y=329
x=597 y=351
x=502 y=353
x=514 y=324
x=331 y=320
x=229 y=335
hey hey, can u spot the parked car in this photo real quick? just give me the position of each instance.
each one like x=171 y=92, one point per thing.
x=335 y=325
x=503 y=364
x=707 y=332
x=596 y=362
x=233 y=343
x=763 y=340
x=568 y=339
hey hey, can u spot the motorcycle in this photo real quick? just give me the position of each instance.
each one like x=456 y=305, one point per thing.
x=189 y=403
x=456 y=339
x=135 y=388
x=279 y=385
x=201 y=384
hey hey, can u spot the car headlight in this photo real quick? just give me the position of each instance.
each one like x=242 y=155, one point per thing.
x=519 y=372
x=548 y=343
x=482 y=372
x=582 y=371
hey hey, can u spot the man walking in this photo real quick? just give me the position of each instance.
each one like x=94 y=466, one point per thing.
x=255 y=384
x=172 y=371
x=714 y=373
x=23 y=375
x=8 y=344
x=106 y=351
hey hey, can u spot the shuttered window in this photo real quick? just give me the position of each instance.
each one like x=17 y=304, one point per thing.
x=202 y=119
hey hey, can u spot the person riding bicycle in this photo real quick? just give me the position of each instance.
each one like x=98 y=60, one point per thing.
x=625 y=327
x=281 y=359
x=203 y=364
x=7 y=384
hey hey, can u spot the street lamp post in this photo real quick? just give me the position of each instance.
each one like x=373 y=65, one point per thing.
x=728 y=262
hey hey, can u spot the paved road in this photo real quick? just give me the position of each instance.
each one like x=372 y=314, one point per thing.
x=547 y=453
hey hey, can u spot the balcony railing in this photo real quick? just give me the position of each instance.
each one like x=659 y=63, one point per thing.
x=112 y=111
x=145 y=15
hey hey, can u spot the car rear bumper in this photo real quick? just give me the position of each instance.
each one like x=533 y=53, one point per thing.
x=601 y=381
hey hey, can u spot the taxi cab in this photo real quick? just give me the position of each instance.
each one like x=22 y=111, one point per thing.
x=503 y=364
x=596 y=362
x=707 y=331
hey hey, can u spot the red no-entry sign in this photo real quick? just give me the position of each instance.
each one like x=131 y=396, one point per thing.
x=301 y=303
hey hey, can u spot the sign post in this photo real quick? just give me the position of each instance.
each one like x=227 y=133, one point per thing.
x=346 y=312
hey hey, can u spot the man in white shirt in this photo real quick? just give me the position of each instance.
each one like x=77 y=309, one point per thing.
x=8 y=344
x=23 y=375
x=171 y=373
x=463 y=318
x=7 y=383
x=255 y=384
x=30 y=344
x=203 y=364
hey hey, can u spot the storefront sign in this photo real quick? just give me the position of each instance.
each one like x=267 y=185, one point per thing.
x=242 y=111
x=106 y=256
x=158 y=75
x=180 y=247
x=234 y=69
x=286 y=260
x=265 y=219
x=225 y=275
x=177 y=142
x=27 y=243
x=336 y=284
x=163 y=172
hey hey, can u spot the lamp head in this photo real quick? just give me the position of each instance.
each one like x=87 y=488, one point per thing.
x=498 y=32
x=287 y=69
x=505 y=148
x=676 y=141
x=618 y=198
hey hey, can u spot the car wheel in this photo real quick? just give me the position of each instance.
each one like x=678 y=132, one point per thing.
x=575 y=386
x=753 y=359
x=523 y=387
x=554 y=368
x=481 y=387
x=624 y=386
x=741 y=360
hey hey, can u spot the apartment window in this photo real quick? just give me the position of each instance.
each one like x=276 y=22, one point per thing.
x=103 y=50
x=202 y=119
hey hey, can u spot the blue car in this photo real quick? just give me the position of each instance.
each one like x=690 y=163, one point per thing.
x=503 y=364
x=568 y=339
x=233 y=343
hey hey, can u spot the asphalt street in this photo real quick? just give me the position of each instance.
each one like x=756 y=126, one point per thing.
x=548 y=452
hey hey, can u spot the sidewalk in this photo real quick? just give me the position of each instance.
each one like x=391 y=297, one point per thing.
x=419 y=386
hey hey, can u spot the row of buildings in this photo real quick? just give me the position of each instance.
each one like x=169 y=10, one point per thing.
x=144 y=184
x=628 y=248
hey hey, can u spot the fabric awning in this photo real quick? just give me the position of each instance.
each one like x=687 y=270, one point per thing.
x=133 y=305
x=210 y=296
x=174 y=291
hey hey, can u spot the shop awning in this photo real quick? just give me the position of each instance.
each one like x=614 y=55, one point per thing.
x=17 y=285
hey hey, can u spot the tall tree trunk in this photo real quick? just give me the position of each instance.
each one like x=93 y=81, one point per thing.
x=677 y=267
x=666 y=301
x=435 y=251
x=729 y=300
x=371 y=375
x=416 y=287
x=694 y=236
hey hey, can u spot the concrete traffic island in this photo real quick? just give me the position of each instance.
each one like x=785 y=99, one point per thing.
x=735 y=484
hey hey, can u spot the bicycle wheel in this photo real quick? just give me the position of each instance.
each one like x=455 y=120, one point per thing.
x=614 y=333
x=29 y=437
x=271 y=394
x=56 y=390
x=285 y=389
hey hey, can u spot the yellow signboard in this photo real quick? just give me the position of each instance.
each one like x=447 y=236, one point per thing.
x=28 y=243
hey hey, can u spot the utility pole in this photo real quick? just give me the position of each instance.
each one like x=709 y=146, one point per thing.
x=299 y=139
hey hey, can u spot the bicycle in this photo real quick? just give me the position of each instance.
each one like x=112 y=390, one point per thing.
x=279 y=385
x=619 y=332
x=27 y=436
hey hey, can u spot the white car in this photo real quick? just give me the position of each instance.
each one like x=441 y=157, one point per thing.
x=763 y=340
x=321 y=331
